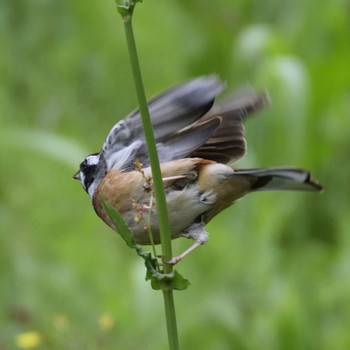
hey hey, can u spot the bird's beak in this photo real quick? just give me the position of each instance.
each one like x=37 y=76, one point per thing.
x=77 y=175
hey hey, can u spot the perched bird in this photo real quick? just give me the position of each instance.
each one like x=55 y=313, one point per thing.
x=196 y=144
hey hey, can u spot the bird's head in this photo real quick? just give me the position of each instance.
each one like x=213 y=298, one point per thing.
x=90 y=173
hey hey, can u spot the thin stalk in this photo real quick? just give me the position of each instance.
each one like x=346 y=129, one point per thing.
x=150 y=234
x=151 y=146
x=157 y=181
x=173 y=339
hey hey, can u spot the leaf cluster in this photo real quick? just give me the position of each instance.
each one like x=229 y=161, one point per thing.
x=158 y=279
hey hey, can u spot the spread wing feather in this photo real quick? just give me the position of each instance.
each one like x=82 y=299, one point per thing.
x=228 y=144
x=171 y=111
x=184 y=124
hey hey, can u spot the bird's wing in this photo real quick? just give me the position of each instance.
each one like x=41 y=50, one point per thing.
x=173 y=110
x=228 y=144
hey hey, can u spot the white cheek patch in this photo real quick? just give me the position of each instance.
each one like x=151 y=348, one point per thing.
x=82 y=178
x=92 y=188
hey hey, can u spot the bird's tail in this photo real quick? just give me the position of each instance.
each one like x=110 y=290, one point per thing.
x=281 y=179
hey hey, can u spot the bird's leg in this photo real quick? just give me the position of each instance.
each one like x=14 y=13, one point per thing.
x=197 y=232
x=178 y=258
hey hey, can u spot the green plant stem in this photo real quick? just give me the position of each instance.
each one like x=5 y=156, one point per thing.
x=150 y=234
x=151 y=147
x=157 y=181
x=171 y=319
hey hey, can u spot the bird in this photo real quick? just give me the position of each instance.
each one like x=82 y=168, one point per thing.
x=197 y=143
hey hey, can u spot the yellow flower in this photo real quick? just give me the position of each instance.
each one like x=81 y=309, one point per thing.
x=106 y=322
x=28 y=340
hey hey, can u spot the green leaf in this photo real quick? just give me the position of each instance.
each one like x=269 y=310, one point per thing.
x=126 y=7
x=120 y=224
x=159 y=280
x=169 y=281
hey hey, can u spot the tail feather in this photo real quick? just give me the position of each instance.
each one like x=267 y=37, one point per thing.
x=281 y=179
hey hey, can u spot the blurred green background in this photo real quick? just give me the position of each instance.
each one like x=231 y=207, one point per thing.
x=275 y=273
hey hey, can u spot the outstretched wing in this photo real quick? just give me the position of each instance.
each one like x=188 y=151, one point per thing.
x=185 y=124
x=172 y=111
x=228 y=144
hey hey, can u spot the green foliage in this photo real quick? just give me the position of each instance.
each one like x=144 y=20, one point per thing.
x=121 y=227
x=159 y=280
x=165 y=281
x=126 y=7
x=278 y=263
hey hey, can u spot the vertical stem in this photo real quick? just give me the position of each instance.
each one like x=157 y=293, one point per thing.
x=171 y=319
x=151 y=146
x=157 y=181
